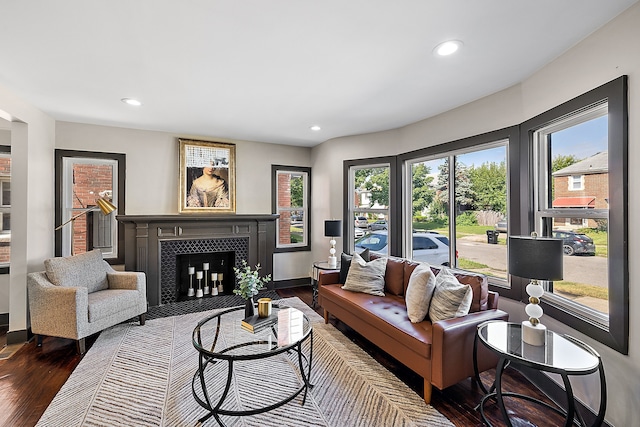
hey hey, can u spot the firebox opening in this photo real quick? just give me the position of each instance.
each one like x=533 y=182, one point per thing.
x=215 y=270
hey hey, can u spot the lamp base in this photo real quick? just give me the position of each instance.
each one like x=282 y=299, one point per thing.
x=534 y=334
x=333 y=262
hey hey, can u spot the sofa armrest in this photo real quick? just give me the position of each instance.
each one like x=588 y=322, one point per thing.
x=452 y=347
x=492 y=300
x=328 y=277
x=56 y=310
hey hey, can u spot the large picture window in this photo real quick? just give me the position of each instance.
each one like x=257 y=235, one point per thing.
x=5 y=206
x=291 y=200
x=577 y=155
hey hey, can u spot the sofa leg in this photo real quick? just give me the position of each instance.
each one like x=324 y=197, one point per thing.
x=38 y=340
x=80 y=346
x=427 y=391
x=326 y=316
x=143 y=318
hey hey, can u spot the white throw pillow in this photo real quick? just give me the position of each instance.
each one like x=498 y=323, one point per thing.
x=422 y=283
x=366 y=277
x=451 y=298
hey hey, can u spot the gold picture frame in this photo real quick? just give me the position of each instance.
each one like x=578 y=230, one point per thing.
x=207 y=177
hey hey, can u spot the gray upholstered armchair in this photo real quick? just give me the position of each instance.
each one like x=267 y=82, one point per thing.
x=81 y=295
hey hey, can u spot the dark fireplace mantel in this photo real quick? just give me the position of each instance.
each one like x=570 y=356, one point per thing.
x=145 y=233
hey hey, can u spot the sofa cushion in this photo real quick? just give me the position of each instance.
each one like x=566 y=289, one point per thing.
x=345 y=263
x=384 y=315
x=87 y=269
x=111 y=301
x=450 y=298
x=422 y=283
x=367 y=277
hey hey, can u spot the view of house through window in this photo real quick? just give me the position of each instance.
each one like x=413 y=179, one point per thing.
x=369 y=208
x=478 y=202
x=292 y=204
x=84 y=181
x=5 y=209
x=573 y=204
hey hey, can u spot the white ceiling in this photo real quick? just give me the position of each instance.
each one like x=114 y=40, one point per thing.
x=266 y=70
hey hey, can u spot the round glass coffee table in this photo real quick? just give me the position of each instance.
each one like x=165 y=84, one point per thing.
x=230 y=355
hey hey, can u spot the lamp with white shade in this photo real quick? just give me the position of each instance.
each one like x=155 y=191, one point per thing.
x=535 y=258
x=333 y=229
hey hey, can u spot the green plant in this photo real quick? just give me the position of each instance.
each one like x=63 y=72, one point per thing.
x=249 y=281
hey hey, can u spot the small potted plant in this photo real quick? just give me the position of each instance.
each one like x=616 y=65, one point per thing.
x=249 y=283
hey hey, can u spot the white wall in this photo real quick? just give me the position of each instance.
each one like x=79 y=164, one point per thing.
x=152 y=175
x=605 y=55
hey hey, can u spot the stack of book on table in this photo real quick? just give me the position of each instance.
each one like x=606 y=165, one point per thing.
x=255 y=323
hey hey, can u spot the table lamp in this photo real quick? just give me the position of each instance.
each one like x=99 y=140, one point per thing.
x=535 y=258
x=333 y=229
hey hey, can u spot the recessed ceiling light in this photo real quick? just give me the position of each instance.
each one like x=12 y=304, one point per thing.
x=315 y=128
x=447 y=48
x=131 y=101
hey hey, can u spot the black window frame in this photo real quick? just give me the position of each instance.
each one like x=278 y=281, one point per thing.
x=616 y=336
x=274 y=205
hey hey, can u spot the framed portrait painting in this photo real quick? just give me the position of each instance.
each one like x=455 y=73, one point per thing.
x=207 y=177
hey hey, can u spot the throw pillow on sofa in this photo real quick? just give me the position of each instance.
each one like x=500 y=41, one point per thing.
x=450 y=298
x=345 y=263
x=366 y=277
x=422 y=284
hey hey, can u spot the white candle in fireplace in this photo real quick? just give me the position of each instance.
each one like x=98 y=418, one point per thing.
x=214 y=276
x=205 y=266
x=199 y=275
x=220 y=275
x=192 y=270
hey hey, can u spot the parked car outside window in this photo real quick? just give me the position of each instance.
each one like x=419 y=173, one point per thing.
x=501 y=226
x=575 y=243
x=381 y=224
x=432 y=248
x=358 y=232
x=361 y=222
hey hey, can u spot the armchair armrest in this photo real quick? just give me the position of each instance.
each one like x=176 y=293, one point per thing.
x=452 y=347
x=328 y=277
x=56 y=310
x=131 y=280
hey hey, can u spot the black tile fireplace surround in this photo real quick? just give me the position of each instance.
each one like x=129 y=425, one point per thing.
x=155 y=243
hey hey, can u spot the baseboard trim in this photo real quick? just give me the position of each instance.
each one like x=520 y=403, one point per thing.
x=557 y=393
x=17 y=337
x=4 y=319
x=292 y=283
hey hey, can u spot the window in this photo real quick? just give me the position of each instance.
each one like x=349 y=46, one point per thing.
x=577 y=153
x=473 y=193
x=81 y=178
x=369 y=185
x=5 y=206
x=576 y=182
x=291 y=200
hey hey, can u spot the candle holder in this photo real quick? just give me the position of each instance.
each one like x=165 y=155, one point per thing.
x=214 y=286
x=199 y=293
x=191 y=291
x=205 y=267
x=220 y=286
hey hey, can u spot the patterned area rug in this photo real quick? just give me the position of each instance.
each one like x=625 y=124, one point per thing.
x=141 y=376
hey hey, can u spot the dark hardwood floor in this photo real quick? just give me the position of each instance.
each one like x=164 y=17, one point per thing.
x=30 y=379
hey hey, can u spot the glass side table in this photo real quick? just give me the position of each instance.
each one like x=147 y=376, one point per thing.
x=317 y=266
x=562 y=354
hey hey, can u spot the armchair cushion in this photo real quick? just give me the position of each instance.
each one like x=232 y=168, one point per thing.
x=87 y=270
x=111 y=301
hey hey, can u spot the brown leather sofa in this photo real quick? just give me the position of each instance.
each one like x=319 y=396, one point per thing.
x=441 y=353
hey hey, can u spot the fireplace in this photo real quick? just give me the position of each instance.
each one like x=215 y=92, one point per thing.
x=159 y=245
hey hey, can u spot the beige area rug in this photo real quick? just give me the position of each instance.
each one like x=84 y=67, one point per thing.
x=141 y=376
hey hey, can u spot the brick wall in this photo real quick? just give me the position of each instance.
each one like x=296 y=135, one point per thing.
x=595 y=185
x=284 y=199
x=89 y=181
